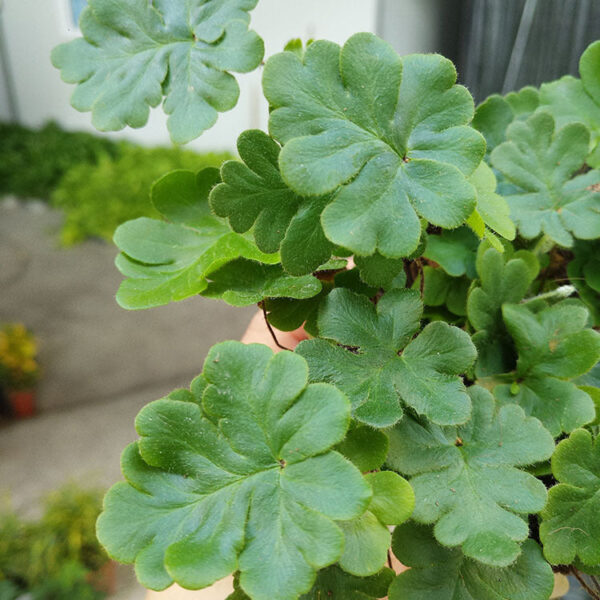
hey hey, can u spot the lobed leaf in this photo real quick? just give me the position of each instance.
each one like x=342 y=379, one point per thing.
x=553 y=345
x=494 y=115
x=243 y=282
x=502 y=278
x=169 y=261
x=570 y=525
x=446 y=574
x=541 y=163
x=371 y=357
x=467 y=479
x=244 y=481
x=254 y=194
x=388 y=137
x=132 y=56
x=572 y=100
x=584 y=273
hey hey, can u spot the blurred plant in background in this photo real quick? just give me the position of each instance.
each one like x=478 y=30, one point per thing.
x=57 y=556
x=97 y=182
x=19 y=368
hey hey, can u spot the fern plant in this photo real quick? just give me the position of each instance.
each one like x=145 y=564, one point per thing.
x=441 y=259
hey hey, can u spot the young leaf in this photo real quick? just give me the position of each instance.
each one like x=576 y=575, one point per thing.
x=570 y=525
x=388 y=136
x=253 y=193
x=169 y=261
x=491 y=207
x=467 y=480
x=131 y=56
x=243 y=282
x=367 y=537
x=246 y=482
x=553 y=345
x=446 y=574
x=372 y=359
x=501 y=279
x=541 y=163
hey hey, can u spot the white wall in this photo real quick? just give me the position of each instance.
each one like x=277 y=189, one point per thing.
x=34 y=27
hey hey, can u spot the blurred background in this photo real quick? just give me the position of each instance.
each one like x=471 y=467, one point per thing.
x=74 y=367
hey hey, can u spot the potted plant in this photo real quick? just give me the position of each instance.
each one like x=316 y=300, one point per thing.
x=442 y=262
x=19 y=369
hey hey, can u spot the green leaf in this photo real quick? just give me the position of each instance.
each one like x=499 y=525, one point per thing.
x=381 y=272
x=131 y=56
x=442 y=290
x=553 y=345
x=169 y=261
x=574 y=100
x=584 y=274
x=501 y=279
x=467 y=480
x=246 y=482
x=570 y=525
x=454 y=251
x=446 y=574
x=496 y=113
x=388 y=136
x=541 y=163
x=243 y=282
x=372 y=358
x=491 y=207
x=365 y=447
x=367 y=537
x=253 y=194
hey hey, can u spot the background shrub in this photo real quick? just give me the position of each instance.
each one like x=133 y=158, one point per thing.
x=98 y=198
x=33 y=161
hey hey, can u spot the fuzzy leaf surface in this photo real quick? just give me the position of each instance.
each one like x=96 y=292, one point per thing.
x=371 y=357
x=254 y=194
x=166 y=261
x=570 y=525
x=553 y=346
x=245 y=481
x=467 y=479
x=389 y=137
x=501 y=279
x=133 y=55
x=541 y=162
x=446 y=574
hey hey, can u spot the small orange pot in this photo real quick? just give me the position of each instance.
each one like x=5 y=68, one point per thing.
x=22 y=403
x=104 y=579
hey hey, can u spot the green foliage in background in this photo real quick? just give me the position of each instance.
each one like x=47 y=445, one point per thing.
x=52 y=557
x=96 y=199
x=33 y=161
x=458 y=350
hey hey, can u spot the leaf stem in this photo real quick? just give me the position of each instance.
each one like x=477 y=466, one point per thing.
x=593 y=593
x=264 y=311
